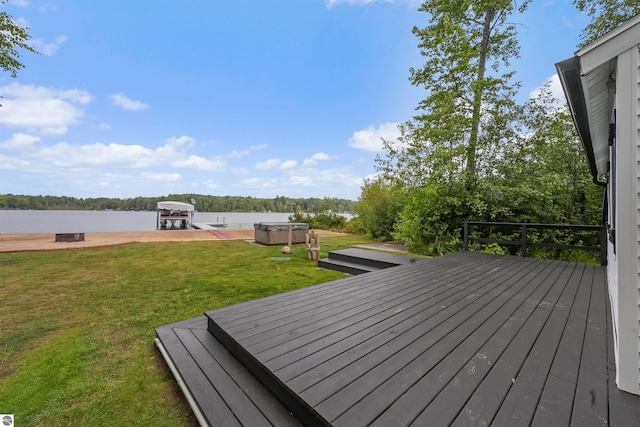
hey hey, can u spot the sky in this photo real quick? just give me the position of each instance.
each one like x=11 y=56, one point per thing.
x=258 y=98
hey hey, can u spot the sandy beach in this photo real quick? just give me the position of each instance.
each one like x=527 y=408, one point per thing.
x=46 y=242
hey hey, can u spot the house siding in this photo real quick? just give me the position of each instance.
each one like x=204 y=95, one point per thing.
x=625 y=280
x=636 y=53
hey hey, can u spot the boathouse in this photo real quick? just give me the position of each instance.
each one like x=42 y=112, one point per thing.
x=174 y=214
x=602 y=86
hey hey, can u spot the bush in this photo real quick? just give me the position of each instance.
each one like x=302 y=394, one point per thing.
x=323 y=221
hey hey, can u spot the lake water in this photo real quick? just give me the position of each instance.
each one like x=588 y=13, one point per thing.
x=27 y=222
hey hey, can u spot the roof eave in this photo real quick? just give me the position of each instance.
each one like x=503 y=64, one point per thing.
x=570 y=77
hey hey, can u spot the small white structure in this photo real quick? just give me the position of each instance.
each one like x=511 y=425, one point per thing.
x=174 y=212
x=602 y=85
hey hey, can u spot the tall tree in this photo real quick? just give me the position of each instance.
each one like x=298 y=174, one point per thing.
x=13 y=38
x=605 y=16
x=468 y=46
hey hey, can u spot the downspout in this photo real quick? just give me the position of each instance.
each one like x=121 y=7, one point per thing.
x=185 y=390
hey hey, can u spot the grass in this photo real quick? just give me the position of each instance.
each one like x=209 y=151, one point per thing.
x=77 y=326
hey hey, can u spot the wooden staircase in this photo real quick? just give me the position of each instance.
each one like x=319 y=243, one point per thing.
x=359 y=261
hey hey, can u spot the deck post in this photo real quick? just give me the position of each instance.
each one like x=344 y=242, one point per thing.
x=523 y=240
x=465 y=236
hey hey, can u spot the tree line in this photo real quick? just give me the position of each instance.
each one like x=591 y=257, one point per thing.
x=472 y=152
x=204 y=203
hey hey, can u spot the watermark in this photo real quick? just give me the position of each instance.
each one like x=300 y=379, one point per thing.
x=6 y=420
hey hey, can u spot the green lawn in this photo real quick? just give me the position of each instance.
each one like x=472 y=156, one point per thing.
x=77 y=326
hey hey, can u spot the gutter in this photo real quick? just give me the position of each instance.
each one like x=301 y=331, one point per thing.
x=185 y=390
x=570 y=78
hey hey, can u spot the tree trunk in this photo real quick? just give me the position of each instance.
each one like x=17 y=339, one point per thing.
x=472 y=146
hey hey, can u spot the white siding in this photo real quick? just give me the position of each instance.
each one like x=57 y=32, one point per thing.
x=637 y=135
x=624 y=290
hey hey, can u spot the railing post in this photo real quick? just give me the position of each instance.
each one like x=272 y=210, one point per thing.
x=465 y=236
x=523 y=240
x=603 y=245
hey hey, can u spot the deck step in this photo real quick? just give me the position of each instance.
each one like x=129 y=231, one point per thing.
x=225 y=392
x=358 y=261
x=345 y=266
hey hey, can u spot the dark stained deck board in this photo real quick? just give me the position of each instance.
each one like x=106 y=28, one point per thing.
x=211 y=404
x=444 y=395
x=378 y=340
x=326 y=293
x=467 y=339
x=591 y=400
x=297 y=355
x=252 y=310
x=437 y=318
x=320 y=322
x=413 y=351
x=226 y=393
x=371 y=258
x=624 y=408
x=521 y=401
x=403 y=399
x=327 y=358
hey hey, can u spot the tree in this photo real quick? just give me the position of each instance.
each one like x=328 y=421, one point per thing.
x=468 y=45
x=605 y=16
x=13 y=37
x=379 y=208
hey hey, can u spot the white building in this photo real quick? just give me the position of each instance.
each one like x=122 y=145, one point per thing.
x=602 y=85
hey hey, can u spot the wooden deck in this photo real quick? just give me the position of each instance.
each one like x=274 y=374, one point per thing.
x=465 y=339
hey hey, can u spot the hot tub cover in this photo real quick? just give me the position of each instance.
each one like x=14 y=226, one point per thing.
x=281 y=226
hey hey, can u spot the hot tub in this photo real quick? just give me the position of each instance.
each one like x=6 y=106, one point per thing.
x=277 y=233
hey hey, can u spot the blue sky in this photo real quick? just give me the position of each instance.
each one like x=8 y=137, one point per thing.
x=246 y=98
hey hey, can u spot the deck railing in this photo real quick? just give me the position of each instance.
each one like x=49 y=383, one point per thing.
x=524 y=242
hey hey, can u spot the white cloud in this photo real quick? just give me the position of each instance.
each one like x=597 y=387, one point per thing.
x=20 y=3
x=288 y=164
x=19 y=141
x=112 y=155
x=12 y=163
x=49 y=48
x=258 y=147
x=104 y=126
x=556 y=90
x=48 y=111
x=370 y=139
x=121 y=100
x=200 y=163
x=238 y=154
x=313 y=160
x=179 y=141
x=320 y=156
x=269 y=164
x=211 y=184
x=161 y=177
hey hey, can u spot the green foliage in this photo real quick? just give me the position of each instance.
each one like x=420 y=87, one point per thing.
x=204 y=203
x=323 y=221
x=605 y=15
x=14 y=39
x=379 y=207
x=467 y=45
x=532 y=169
x=432 y=219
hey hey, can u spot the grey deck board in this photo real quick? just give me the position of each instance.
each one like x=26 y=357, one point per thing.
x=226 y=393
x=467 y=339
x=471 y=339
